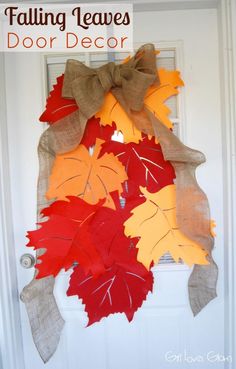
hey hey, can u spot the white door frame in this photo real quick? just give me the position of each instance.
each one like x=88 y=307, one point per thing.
x=10 y=332
x=10 y=329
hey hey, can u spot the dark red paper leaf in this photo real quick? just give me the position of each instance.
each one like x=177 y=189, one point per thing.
x=95 y=130
x=118 y=290
x=107 y=232
x=66 y=240
x=144 y=164
x=57 y=107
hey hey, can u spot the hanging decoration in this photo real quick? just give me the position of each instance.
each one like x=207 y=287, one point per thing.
x=109 y=210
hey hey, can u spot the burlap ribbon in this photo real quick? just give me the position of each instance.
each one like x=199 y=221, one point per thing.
x=128 y=82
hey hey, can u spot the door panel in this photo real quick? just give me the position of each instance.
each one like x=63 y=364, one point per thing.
x=164 y=326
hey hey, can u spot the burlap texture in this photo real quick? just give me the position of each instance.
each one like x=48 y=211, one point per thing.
x=129 y=83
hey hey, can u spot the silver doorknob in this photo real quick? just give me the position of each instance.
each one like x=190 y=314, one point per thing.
x=27 y=261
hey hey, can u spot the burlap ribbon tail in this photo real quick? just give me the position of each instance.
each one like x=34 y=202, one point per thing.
x=128 y=82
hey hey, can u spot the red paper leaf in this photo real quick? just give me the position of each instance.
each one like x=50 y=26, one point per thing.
x=64 y=236
x=107 y=233
x=144 y=164
x=95 y=130
x=57 y=107
x=118 y=290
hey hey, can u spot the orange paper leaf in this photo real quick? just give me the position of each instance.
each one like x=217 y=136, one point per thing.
x=80 y=174
x=155 y=222
x=112 y=111
x=157 y=95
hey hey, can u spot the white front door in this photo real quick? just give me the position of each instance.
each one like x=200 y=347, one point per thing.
x=164 y=334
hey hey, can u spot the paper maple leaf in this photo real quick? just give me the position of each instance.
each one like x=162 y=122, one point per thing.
x=107 y=232
x=80 y=174
x=94 y=130
x=157 y=95
x=112 y=111
x=155 y=222
x=118 y=290
x=66 y=239
x=144 y=164
x=57 y=107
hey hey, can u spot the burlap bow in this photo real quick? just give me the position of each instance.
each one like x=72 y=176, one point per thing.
x=129 y=83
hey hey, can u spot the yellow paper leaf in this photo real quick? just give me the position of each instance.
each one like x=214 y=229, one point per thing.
x=77 y=173
x=157 y=95
x=154 y=222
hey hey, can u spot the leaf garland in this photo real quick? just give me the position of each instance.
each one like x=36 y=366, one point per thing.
x=115 y=208
x=155 y=223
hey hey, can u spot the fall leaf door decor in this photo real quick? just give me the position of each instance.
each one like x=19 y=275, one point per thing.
x=109 y=209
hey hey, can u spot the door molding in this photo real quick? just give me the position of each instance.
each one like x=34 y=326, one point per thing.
x=227 y=37
x=10 y=337
x=10 y=332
